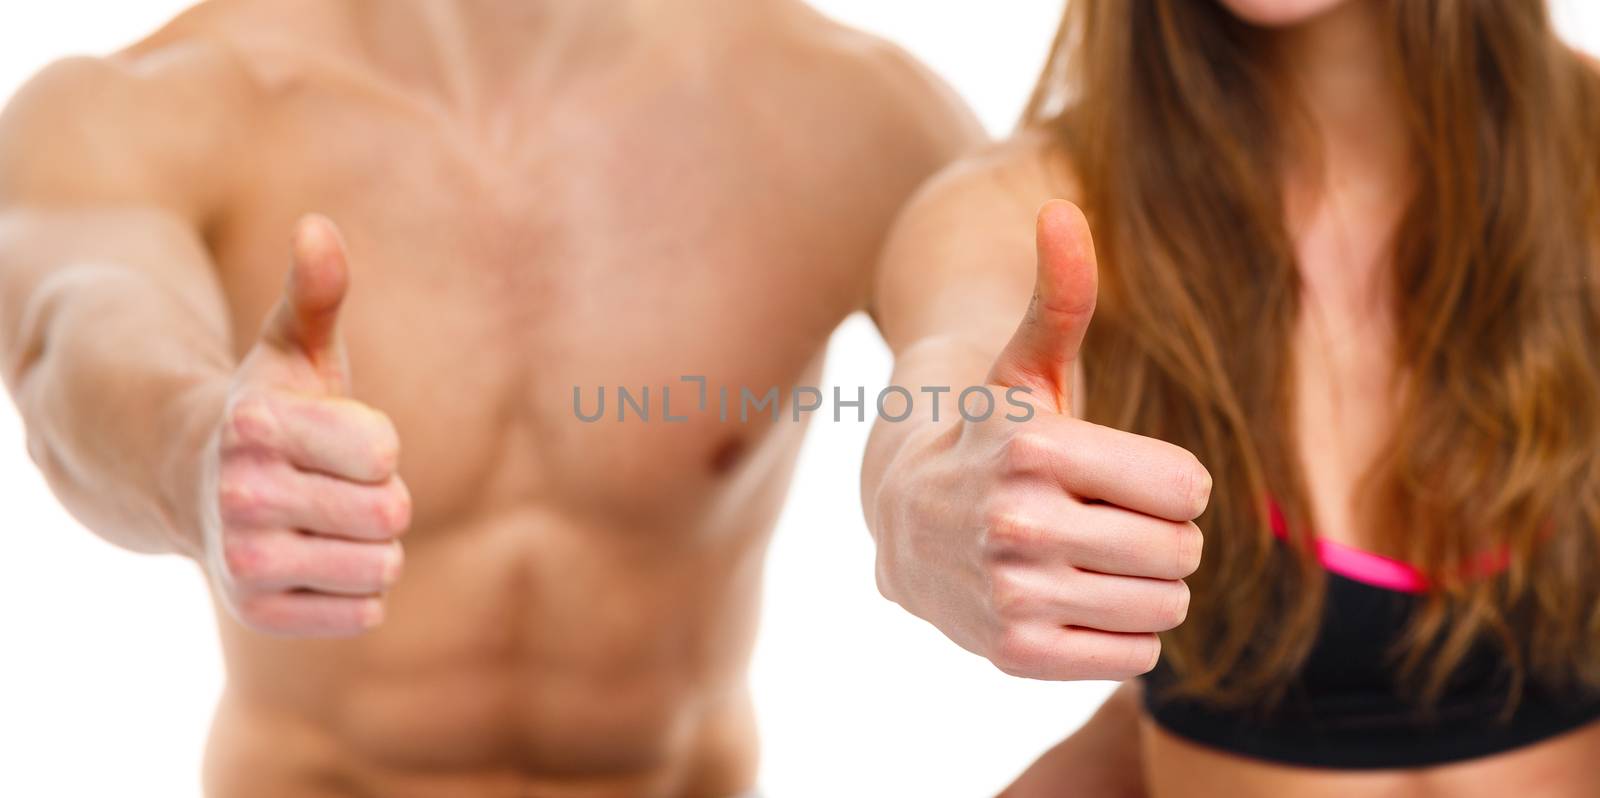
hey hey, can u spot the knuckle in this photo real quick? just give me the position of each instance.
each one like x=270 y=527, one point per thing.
x=1008 y=597
x=1014 y=653
x=249 y=423
x=240 y=501
x=1026 y=452
x=246 y=559
x=1008 y=531
x=386 y=514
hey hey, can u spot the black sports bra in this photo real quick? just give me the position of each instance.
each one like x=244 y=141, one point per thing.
x=1345 y=709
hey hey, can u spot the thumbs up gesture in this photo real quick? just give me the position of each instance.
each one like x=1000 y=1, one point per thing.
x=301 y=504
x=1054 y=547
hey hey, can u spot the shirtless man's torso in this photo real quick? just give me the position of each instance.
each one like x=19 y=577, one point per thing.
x=535 y=197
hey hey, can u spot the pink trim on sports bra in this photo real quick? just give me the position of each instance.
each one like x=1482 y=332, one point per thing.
x=1375 y=569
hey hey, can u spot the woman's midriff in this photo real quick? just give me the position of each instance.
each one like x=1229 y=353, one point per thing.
x=1560 y=767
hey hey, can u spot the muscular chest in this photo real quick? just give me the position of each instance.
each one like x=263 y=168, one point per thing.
x=495 y=273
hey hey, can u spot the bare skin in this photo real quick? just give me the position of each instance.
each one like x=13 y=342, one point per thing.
x=939 y=559
x=517 y=198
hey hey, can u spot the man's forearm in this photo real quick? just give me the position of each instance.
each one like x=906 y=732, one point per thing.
x=120 y=379
x=119 y=446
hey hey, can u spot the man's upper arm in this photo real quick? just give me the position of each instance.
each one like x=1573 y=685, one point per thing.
x=933 y=124
x=92 y=131
x=890 y=124
x=106 y=177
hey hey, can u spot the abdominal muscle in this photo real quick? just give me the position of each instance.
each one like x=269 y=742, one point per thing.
x=523 y=654
x=1561 y=767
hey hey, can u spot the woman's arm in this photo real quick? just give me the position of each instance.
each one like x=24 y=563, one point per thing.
x=1102 y=758
x=1052 y=546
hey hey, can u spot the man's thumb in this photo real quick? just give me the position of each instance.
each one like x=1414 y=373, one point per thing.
x=1044 y=350
x=306 y=318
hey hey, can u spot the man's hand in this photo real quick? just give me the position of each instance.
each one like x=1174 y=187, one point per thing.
x=301 y=504
x=1054 y=547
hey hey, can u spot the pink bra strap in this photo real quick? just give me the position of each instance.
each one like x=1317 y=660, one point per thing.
x=1353 y=563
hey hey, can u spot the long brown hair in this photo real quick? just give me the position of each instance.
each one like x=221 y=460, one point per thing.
x=1173 y=124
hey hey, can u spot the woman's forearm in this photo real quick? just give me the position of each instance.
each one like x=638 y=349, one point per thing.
x=933 y=371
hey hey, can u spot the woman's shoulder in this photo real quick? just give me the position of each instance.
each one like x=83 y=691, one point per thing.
x=1023 y=171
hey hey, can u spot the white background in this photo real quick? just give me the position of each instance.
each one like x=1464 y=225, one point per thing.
x=108 y=660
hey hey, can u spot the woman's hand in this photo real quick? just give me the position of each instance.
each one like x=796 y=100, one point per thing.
x=1054 y=547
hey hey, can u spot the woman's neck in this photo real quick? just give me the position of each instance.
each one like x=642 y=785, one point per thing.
x=1340 y=77
x=1348 y=151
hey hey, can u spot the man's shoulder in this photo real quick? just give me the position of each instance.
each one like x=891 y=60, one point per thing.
x=190 y=57
x=856 y=111
x=117 y=123
x=876 y=82
x=195 y=69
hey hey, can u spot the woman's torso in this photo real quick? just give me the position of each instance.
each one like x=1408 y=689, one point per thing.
x=1560 y=767
x=1345 y=396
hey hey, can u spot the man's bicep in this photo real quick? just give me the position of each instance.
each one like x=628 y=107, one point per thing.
x=94 y=205
x=154 y=129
